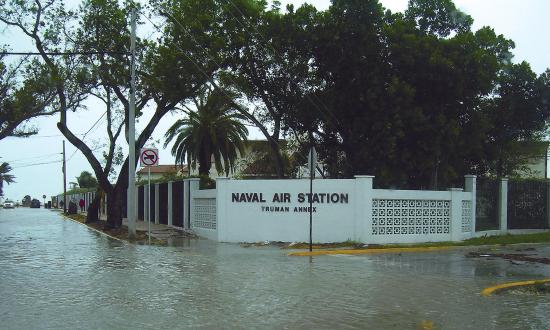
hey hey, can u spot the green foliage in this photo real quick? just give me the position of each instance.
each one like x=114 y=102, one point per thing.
x=214 y=131
x=417 y=99
x=5 y=177
x=26 y=202
x=86 y=180
x=78 y=190
x=26 y=92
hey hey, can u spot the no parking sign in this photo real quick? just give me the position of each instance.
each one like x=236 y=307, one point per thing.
x=149 y=157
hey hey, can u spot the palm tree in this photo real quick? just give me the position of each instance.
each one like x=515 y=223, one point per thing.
x=5 y=168
x=214 y=129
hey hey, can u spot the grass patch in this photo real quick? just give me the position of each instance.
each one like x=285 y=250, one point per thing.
x=489 y=240
x=120 y=233
x=347 y=244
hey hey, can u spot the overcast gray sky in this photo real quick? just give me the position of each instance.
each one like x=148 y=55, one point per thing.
x=525 y=22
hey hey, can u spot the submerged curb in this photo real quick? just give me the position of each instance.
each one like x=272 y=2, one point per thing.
x=91 y=228
x=369 y=251
x=492 y=289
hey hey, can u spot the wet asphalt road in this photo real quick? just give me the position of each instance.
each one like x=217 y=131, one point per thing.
x=57 y=274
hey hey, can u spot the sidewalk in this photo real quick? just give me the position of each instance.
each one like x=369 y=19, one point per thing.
x=158 y=231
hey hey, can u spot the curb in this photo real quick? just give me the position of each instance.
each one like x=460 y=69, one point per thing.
x=369 y=251
x=492 y=289
x=93 y=229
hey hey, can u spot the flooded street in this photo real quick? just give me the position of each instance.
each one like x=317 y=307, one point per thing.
x=59 y=274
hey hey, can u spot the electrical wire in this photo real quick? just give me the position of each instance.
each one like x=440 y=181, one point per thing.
x=62 y=53
x=36 y=164
x=97 y=121
x=34 y=157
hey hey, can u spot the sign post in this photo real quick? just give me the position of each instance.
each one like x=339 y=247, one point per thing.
x=312 y=164
x=149 y=157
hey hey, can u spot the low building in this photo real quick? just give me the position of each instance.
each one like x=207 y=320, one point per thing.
x=162 y=172
x=534 y=156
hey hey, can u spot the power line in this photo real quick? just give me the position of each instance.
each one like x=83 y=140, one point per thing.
x=63 y=53
x=40 y=156
x=97 y=121
x=48 y=136
x=36 y=164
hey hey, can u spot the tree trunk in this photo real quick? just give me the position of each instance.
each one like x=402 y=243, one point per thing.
x=279 y=161
x=114 y=208
x=93 y=208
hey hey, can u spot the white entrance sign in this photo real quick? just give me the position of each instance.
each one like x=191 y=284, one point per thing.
x=278 y=210
x=149 y=157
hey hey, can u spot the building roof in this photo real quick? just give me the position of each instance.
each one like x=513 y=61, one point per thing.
x=164 y=169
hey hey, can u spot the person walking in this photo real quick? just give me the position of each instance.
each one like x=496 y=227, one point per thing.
x=81 y=204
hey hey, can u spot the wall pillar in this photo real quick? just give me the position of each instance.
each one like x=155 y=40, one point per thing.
x=157 y=203
x=456 y=214
x=190 y=186
x=136 y=203
x=170 y=221
x=363 y=208
x=503 y=205
x=548 y=201
x=470 y=185
x=221 y=198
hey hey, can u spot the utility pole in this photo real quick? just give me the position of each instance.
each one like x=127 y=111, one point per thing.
x=131 y=209
x=64 y=181
x=312 y=163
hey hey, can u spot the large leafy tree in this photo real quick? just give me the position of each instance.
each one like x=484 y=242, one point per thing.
x=167 y=74
x=26 y=92
x=411 y=97
x=5 y=177
x=86 y=180
x=270 y=67
x=518 y=114
x=213 y=131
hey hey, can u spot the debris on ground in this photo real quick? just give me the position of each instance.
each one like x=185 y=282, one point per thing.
x=513 y=257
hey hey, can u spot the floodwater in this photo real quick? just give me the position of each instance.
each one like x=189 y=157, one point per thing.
x=58 y=274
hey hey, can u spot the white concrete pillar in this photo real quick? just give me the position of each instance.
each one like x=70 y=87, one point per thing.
x=170 y=220
x=362 y=198
x=456 y=214
x=191 y=186
x=136 y=203
x=503 y=205
x=222 y=196
x=548 y=201
x=157 y=203
x=470 y=185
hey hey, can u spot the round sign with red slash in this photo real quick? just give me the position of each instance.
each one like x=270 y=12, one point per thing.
x=149 y=157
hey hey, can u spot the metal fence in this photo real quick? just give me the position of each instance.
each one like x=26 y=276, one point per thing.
x=487 y=195
x=141 y=200
x=163 y=203
x=177 y=203
x=527 y=204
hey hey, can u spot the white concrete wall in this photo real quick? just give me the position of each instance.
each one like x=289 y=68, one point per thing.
x=276 y=210
x=248 y=222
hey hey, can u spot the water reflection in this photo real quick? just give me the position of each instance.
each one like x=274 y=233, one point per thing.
x=58 y=274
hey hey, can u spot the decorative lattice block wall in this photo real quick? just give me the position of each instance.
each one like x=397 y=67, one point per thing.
x=410 y=217
x=466 y=216
x=204 y=210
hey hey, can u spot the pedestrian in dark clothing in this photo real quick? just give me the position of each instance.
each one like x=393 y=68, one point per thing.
x=81 y=204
